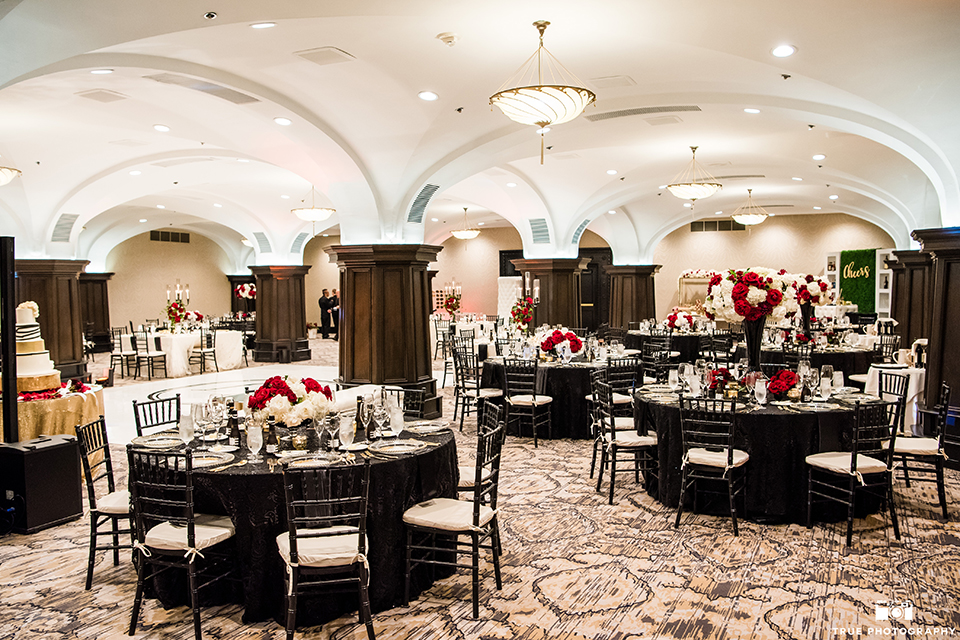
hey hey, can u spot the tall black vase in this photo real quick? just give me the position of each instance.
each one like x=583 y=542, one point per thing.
x=806 y=312
x=753 y=336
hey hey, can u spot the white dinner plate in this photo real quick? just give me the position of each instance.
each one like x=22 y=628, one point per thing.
x=223 y=448
x=427 y=428
x=656 y=388
x=315 y=461
x=816 y=406
x=157 y=441
x=356 y=446
x=287 y=454
x=212 y=437
x=665 y=398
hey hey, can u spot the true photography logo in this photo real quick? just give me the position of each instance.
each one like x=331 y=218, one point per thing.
x=895 y=619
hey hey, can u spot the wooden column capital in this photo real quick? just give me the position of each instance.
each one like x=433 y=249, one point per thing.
x=368 y=255
x=642 y=270
x=280 y=271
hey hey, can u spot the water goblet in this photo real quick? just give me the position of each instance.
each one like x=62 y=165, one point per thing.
x=760 y=390
x=380 y=418
x=826 y=387
x=198 y=414
x=813 y=379
x=826 y=372
x=673 y=379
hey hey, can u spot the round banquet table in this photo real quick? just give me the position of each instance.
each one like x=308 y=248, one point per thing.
x=688 y=344
x=778 y=441
x=252 y=495
x=850 y=360
x=567 y=385
x=179 y=347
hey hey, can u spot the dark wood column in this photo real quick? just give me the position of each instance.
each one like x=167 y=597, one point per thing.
x=55 y=286
x=912 y=294
x=559 y=289
x=384 y=323
x=282 y=314
x=246 y=305
x=95 y=310
x=632 y=293
x=943 y=362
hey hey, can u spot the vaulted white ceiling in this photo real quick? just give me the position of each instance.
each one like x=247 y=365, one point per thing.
x=874 y=91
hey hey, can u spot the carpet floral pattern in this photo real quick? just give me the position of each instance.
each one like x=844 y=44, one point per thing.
x=574 y=568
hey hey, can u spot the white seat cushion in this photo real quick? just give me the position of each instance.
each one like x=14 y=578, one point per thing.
x=123 y=353
x=916 y=446
x=483 y=393
x=527 y=399
x=624 y=423
x=633 y=439
x=116 y=502
x=327 y=551
x=839 y=462
x=154 y=354
x=446 y=514
x=706 y=458
x=858 y=377
x=468 y=473
x=618 y=398
x=208 y=531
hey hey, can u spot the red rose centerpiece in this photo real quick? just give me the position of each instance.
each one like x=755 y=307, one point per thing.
x=679 y=321
x=521 y=315
x=246 y=291
x=176 y=312
x=780 y=384
x=809 y=292
x=291 y=401
x=558 y=342
x=451 y=304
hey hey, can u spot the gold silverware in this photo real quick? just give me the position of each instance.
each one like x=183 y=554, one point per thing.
x=239 y=463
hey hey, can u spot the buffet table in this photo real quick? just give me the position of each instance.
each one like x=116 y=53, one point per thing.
x=252 y=495
x=58 y=416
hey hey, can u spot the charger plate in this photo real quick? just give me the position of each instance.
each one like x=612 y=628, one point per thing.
x=656 y=388
x=397 y=447
x=288 y=454
x=816 y=406
x=856 y=397
x=157 y=441
x=210 y=459
x=665 y=398
x=315 y=461
x=426 y=428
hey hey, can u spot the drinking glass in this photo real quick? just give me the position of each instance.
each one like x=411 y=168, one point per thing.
x=803 y=368
x=331 y=425
x=366 y=413
x=346 y=429
x=743 y=366
x=837 y=379
x=760 y=390
x=826 y=387
x=380 y=418
x=673 y=379
x=198 y=413
x=826 y=372
x=185 y=428
x=255 y=437
x=813 y=378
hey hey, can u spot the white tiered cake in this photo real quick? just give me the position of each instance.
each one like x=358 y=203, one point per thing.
x=35 y=370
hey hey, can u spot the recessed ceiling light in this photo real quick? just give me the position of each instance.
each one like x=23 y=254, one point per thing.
x=429 y=96
x=611 y=172
x=611 y=212
x=161 y=128
x=143 y=219
x=285 y=197
x=243 y=160
x=784 y=51
x=834 y=197
x=687 y=205
x=101 y=72
x=748 y=110
x=135 y=172
x=263 y=25
x=663 y=186
x=817 y=208
x=770 y=215
x=716 y=213
x=819 y=156
x=797 y=179
x=481 y=224
x=217 y=205
x=543 y=130
x=160 y=206
x=434 y=219
x=326 y=235
x=511 y=184
x=283 y=122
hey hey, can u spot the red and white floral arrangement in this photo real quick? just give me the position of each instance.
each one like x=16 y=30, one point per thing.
x=750 y=294
x=247 y=291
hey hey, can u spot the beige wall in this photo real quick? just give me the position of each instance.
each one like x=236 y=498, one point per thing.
x=323 y=274
x=795 y=243
x=143 y=268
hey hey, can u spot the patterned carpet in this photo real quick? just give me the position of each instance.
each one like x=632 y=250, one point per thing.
x=574 y=568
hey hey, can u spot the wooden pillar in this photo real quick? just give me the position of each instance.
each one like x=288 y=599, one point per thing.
x=912 y=295
x=247 y=305
x=943 y=361
x=632 y=293
x=95 y=310
x=282 y=314
x=385 y=307
x=559 y=289
x=55 y=286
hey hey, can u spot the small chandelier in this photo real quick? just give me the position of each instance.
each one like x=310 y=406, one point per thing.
x=694 y=182
x=467 y=233
x=542 y=92
x=750 y=213
x=313 y=213
x=7 y=174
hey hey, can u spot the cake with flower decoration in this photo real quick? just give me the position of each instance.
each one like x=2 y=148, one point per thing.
x=35 y=371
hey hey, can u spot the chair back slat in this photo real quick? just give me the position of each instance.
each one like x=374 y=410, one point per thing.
x=521 y=376
x=161 y=489
x=655 y=361
x=489 y=450
x=95 y=457
x=411 y=400
x=874 y=432
x=157 y=414
x=892 y=387
x=889 y=345
x=794 y=352
x=621 y=374
x=708 y=423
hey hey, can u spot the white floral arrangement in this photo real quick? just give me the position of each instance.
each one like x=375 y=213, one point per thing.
x=751 y=294
x=813 y=290
x=292 y=401
x=194 y=316
x=679 y=321
x=33 y=306
x=699 y=273
x=246 y=291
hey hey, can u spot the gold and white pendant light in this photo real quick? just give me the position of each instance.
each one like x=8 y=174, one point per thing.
x=466 y=233
x=750 y=213
x=694 y=183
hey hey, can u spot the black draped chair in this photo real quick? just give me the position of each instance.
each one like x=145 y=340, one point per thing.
x=468 y=396
x=617 y=439
x=523 y=402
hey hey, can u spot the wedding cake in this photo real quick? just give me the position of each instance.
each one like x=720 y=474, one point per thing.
x=35 y=370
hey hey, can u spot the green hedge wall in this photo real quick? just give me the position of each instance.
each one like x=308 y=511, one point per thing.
x=861 y=288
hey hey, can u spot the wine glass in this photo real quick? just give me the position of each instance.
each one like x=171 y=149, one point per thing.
x=743 y=367
x=255 y=437
x=826 y=372
x=198 y=414
x=366 y=413
x=331 y=425
x=826 y=387
x=813 y=378
x=685 y=372
x=803 y=368
x=380 y=417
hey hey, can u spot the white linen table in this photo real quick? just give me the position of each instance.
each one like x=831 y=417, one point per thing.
x=178 y=348
x=914 y=391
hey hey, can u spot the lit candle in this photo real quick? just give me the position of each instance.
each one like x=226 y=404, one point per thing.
x=168 y=293
x=536 y=290
x=458 y=291
x=526 y=283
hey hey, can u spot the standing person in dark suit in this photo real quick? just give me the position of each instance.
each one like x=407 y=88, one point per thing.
x=335 y=314
x=326 y=303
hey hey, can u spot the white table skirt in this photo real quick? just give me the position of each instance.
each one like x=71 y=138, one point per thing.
x=914 y=391
x=178 y=348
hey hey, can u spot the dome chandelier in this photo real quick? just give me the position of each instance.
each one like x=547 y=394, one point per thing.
x=542 y=92
x=466 y=233
x=312 y=213
x=7 y=174
x=750 y=213
x=694 y=183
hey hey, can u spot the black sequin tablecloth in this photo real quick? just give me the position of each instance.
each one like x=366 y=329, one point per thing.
x=687 y=344
x=252 y=495
x=850 y=361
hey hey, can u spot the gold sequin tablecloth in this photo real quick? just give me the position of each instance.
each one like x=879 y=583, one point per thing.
x=47 y=417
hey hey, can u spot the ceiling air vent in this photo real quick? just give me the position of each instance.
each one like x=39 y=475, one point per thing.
x=262 y=242
x=641 y=111
x=61 y=232
x=102 y=95
x=326 y=55
x=170 y=236
x=540 y=231
x=740 y=177
x=579 y=231
x=298 y=242
x=204 y=87
x=716 y=225
x=420 y=203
